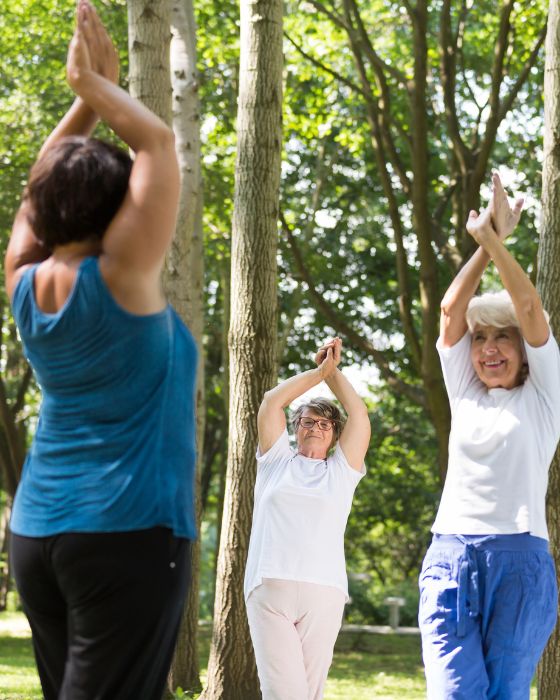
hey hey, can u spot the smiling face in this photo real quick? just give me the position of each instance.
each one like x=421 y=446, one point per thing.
x=314 y=441
x=497 y=356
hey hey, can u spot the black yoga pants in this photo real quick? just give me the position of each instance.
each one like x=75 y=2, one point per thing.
x=104 y=610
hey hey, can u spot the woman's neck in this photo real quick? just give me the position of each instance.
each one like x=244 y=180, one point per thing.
x=76 y=250
x=312 y=453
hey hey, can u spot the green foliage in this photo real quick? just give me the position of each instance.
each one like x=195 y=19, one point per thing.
x=333 y=200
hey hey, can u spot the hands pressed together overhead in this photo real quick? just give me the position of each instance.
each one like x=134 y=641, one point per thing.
x=328 y=357
x=498 y=219
x=91 y=48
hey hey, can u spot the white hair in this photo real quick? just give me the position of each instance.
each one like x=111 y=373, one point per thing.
x=492 y=309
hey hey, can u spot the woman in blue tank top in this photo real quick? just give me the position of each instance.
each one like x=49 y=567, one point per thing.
x=104 y=512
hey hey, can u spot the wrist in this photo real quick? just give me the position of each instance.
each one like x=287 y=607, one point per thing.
x=80 y=80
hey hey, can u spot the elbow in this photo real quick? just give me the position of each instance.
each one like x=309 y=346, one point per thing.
x=446 y=305
x=164 y=138
x=529 y=306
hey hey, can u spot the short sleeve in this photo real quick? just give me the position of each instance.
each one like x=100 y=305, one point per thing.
x=458 y=372
x=349 y=476
x=277 y=453
x=270 y=462
x=544 y=373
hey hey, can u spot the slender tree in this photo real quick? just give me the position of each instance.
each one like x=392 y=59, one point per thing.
x=149 y=37
x=252 y=334
x=162 y=56
x=548 y=281
x=184 y=282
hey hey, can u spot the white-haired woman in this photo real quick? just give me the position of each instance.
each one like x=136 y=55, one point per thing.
x=295 y=580
x=488 y=586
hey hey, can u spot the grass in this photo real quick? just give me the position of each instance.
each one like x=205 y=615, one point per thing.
x=18 y=676
x=365 y=666
x=376 y=666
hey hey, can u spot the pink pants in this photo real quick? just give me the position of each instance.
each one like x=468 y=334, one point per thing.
x=294 y=626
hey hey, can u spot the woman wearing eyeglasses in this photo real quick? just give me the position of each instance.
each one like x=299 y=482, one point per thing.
x=295 y=580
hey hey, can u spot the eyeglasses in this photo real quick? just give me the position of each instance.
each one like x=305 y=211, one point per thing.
x=322 y=424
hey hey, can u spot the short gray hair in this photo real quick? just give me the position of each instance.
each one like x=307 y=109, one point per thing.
x=322 y=407
x=491 y=309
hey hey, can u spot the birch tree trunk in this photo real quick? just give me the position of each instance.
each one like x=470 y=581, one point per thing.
x=148 y=51
x=184 y=283
x=252 y=335
x=548 y=282
x=151 y=80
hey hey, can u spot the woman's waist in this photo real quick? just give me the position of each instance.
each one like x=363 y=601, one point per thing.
x=515 y=542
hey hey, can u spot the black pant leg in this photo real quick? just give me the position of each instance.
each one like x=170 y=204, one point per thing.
x=44 y=607
x=125 y=594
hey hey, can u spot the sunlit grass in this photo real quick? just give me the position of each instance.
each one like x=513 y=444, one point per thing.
x=19 y=680
x=365 y=667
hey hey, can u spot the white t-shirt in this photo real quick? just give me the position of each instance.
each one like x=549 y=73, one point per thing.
x=500 y=446
x=299 y=517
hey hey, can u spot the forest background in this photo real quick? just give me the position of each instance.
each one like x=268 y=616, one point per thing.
x=394 y=115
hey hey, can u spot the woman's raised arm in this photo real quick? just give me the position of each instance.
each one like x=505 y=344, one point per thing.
x=355 y=437
x=526 y=300
x=453 y=325
x=137 y=239
x=271 y=419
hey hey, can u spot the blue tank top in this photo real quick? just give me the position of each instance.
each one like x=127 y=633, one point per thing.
x=114 y=448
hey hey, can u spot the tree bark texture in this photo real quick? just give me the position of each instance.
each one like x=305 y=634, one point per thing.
x=252 y=335
x=184 y=286
x=174 y=98
x=148 y=50
x=548 y=282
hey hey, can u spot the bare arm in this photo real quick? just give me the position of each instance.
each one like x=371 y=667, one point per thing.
x=23 y=248
x=271 y=419
x=355 y=437
x=453 y=325
x=526 y=300
x=135 y=243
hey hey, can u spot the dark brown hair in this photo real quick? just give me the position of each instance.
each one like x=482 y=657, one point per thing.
x=321 y=407
x=75 y=189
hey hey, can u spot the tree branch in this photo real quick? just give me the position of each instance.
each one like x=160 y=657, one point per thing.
x=509 y=99
x=448 y=72
x=323 y=67
x=336 y=19
x=379 y=125
x=377 y=63
x=493 y=121
x=414 y=393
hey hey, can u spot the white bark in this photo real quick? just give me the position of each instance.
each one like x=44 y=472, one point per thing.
x=184 y=283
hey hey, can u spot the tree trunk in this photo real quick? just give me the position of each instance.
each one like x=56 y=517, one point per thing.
x=5 y=574
x=184 y=283
x=252 y=335
x=548 y=282
x=148 y=51
x=150 y=81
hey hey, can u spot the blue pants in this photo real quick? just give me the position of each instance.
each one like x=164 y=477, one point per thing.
x=488 y=605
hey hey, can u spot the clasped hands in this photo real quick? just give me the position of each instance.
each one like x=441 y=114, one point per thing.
x=498 y=219
x=328 y=357
x=91 y=48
